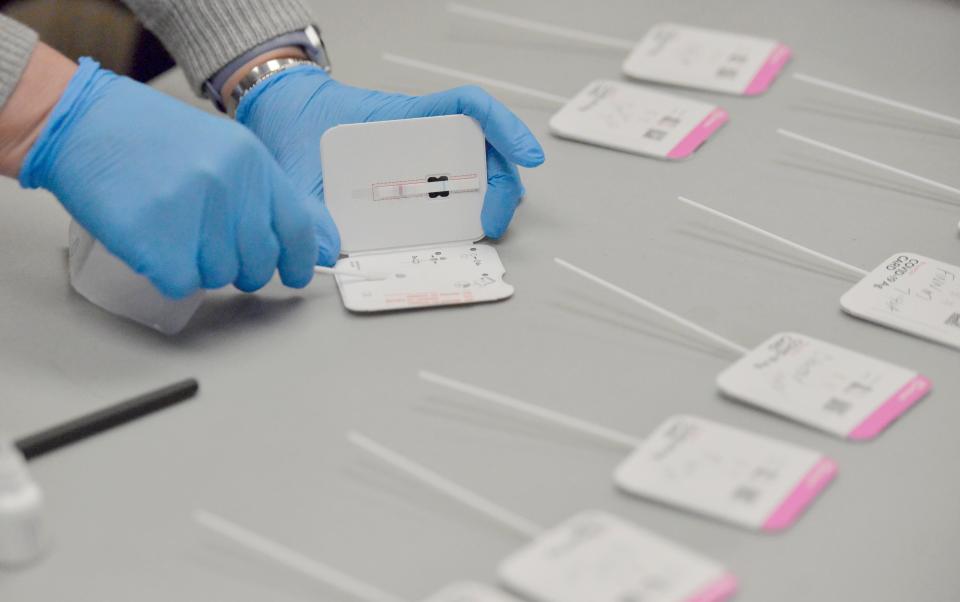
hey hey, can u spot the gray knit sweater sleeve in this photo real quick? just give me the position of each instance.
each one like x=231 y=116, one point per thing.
x=204 y=35
x=16 y=46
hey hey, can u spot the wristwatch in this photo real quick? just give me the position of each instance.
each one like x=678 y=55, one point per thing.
x=308 y=39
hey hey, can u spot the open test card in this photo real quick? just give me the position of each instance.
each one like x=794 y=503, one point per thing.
x=598 y=557
x=831 y=388
x=637 y=120
x=706 y=59
x=726 y=473
x=910 y=293
x=469 y=592
x=406 y=196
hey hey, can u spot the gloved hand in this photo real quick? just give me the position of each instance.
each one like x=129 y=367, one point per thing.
x=291 y=110
x=185 y=198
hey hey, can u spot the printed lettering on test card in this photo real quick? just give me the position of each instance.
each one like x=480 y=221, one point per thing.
x=706 y=59
x=424 y=277
x=406 y=196
x=720 y=471
x=597 y=557
x=837 y=390
x=637 y=120
x=910 y=293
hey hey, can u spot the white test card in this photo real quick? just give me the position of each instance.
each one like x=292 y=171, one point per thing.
x=913 y=294
x=601 y=558
x=469 y=592
x=428 y=277
x=634 y=119
x=831 y=388
x=725 y=473
x=707 y=59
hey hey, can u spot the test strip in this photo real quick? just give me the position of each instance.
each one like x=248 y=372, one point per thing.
x=518 y=524
x=873 y=163
x=700 y=330
x=565 y=420
x=319 y=269
x=860 y=272
x=539 y=26
x=473 y=77
x=822 y=83
x=292 y=559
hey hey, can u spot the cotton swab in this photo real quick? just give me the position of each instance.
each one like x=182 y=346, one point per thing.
x=789 y=243
x=420 y=473
x=292 y=559
x=816 y=81
x=473 y=77
x=319 y=269
x=871 y=162
x=576 y=424
x=724 y=342
x=539 y=27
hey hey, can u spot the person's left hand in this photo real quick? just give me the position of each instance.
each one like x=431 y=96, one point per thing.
x=291 y=110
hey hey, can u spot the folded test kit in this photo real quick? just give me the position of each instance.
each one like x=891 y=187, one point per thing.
x=671 y=53
x=698 y=465
x=406 y=196
x=821 y=385
x=706 y=59
x=637 y=120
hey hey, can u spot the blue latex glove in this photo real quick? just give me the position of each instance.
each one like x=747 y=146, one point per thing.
x=187 y=199
x=291 y=110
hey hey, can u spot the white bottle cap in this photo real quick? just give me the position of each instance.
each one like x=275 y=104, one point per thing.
x=22 y=535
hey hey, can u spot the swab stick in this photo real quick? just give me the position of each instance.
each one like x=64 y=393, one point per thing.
x=517 y=405
x=539 y=26
x=844 y=153
x=700 y=330
x=473 y=77
x=292 y=559
x=437 y=482
x=319 y=269
x=789 y=243
x=816 y=81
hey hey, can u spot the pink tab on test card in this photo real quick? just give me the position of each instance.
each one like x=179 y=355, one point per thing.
x=891 y=409
x=764 y=78
x=699 y=134
x=802 y=496
x=718 y=591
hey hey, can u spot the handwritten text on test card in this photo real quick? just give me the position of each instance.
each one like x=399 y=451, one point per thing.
x=836 y=390
x=911 y=293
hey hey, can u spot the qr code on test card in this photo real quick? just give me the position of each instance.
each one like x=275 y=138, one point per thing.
x=424 y=278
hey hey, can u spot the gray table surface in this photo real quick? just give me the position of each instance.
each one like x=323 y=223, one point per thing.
x=286 y=374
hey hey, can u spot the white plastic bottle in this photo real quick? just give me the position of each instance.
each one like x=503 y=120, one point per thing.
x=104 y=280
x=22 y=532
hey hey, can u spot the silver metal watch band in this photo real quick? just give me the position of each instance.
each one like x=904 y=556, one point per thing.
x=260 y=73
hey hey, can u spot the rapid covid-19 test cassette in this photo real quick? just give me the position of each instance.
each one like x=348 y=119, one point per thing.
x=406 y=196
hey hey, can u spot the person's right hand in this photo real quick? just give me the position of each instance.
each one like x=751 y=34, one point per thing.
x=187 y=199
